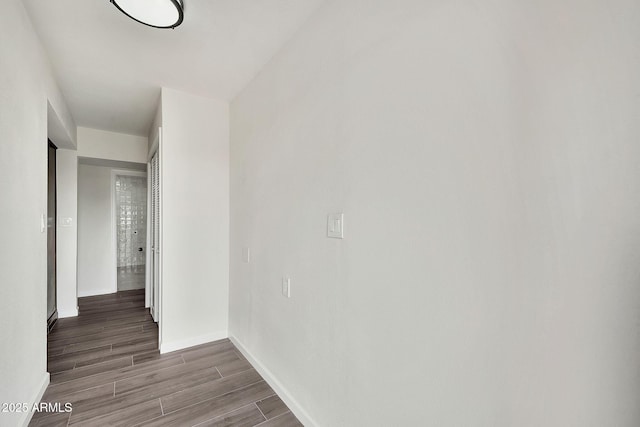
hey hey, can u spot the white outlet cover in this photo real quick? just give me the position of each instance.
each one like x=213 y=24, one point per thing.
x=335 y=226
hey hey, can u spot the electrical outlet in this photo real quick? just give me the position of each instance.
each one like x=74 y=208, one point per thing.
x=286 y=287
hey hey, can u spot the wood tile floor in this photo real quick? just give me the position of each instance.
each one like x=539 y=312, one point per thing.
x=105 y=363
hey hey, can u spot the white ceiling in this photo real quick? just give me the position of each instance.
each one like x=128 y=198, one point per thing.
x=110 y=68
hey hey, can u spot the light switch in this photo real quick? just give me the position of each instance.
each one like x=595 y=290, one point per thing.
x=335 y=226
x=246 y=255
x=286 y=287
x=66 y=222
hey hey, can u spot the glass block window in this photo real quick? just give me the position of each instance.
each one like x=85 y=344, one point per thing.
x=131 y=217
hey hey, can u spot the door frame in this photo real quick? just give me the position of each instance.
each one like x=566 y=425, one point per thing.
x=51 y=319
x=114 y=226
x=156 y=305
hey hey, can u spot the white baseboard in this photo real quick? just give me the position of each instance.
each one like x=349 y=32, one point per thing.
x=96 y=293
x=193 y=341
x=276 y=385
x=67 y=313
x=38 y=396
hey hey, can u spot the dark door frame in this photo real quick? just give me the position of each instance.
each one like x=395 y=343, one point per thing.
x=51 y=232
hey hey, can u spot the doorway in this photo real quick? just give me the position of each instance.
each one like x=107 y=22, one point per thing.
x=52 y=311
x=131 y=229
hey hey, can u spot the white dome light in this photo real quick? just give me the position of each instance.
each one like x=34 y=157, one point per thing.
x=154 y=13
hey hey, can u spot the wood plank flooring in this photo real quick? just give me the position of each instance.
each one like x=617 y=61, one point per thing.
x=105 y=363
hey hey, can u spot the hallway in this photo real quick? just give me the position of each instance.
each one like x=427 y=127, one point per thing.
x=106 y=364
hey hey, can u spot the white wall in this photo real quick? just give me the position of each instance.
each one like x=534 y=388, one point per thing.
x=67 y=233
x=27 y=87
x=486 y=158
x=153 y=130
x=96 y=271
x=102 y=144
x=195 y=200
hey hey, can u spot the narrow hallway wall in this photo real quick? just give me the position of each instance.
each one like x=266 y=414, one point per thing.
x=28 y=92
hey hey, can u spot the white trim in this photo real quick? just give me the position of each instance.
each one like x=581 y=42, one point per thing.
x=43 y=387
x=147 y=272
x=155 y=145
x=160 y=309
x=67 y=313
x=302 y=415
x=154 y=256
x=114 y=230
x=191 y=342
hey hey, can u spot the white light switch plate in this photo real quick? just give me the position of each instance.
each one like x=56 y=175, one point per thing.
x=246 y=255
x=286 y=287
x=335 y=226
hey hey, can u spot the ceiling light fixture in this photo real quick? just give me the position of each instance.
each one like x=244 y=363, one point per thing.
x=154 y=13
